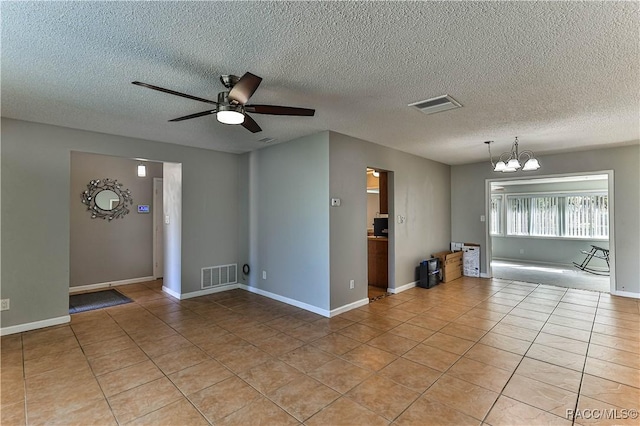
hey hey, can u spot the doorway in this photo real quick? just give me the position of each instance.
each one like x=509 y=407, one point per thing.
x=542 y=229
x=119 y=250
x=377 y=232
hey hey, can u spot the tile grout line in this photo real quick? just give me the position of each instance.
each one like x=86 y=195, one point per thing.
x=148 y=357
x=514 y=370
x=24 y=380
x=210 y=357
x=236 y=374
x=439 y=300
x=420 y=394
x=524 y=356
x=465 y=352
x=586 y=356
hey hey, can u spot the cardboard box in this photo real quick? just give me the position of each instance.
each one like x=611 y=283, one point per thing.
x=450 y=264
x=456 y=246
x=471 y=260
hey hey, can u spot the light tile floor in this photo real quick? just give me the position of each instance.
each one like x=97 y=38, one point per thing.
x=470 y=351
x=555 y=275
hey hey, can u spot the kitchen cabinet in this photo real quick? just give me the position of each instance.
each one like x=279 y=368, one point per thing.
x=384 y=198
x=378 y=252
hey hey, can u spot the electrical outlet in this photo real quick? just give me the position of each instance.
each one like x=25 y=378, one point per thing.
x=4 y=306
x=352 y=284
x=264 y=275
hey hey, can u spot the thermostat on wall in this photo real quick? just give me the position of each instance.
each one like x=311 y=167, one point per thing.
x=143 y=208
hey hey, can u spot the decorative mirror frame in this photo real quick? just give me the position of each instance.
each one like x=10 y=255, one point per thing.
x=98 y=185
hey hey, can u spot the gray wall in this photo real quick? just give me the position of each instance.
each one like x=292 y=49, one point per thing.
x=419 y=190
x=545 y=250
x=244 y=207
x=289 y=219
x=468 y=202
x=100 y=250
x=36 y=217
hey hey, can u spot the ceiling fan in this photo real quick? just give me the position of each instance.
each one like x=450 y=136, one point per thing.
x=231 y=107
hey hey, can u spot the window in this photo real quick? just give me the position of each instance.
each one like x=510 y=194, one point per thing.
x=587 y=216
x=518 y=215
x=544 y=217
x=583 y=215
x=495 y=215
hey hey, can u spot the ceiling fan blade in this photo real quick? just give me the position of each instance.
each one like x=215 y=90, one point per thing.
x=173 y=92
x=196 y=115
x=244 y=88
x=250 y=124
x=279 y=110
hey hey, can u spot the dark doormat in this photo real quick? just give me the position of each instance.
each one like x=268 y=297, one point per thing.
x=96 y=300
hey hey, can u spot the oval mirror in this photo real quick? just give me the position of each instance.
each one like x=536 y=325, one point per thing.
x=107 y=199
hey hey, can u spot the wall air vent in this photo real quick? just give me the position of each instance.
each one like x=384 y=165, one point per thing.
x=437 y=104
x=214 y=276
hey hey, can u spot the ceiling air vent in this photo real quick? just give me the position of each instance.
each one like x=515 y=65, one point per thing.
x=433 y=105
x=266 y=140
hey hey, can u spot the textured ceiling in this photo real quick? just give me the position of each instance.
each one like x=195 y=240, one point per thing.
x=561 y=76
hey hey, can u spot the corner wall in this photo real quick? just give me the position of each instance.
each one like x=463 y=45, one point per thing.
x=288 y=221
x=104 y=251
x=420 y=193
x=468 y=202
x=35 y=211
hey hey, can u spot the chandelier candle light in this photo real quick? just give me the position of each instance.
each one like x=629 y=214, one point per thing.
x=512 y=160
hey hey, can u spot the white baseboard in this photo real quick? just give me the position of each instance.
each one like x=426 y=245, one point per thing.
x=82 y=288
x=171 y=292
x=350 y=306
x=402 y=288
x=626 y=294
x=485 y=275
x=198 y=293
x=34 y=325
x=288 y=301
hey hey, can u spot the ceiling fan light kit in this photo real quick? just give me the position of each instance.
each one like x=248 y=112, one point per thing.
x=230 y=114
x=231 y=107
x=511 y=161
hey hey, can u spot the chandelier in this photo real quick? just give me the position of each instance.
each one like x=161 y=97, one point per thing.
x=512 y=160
